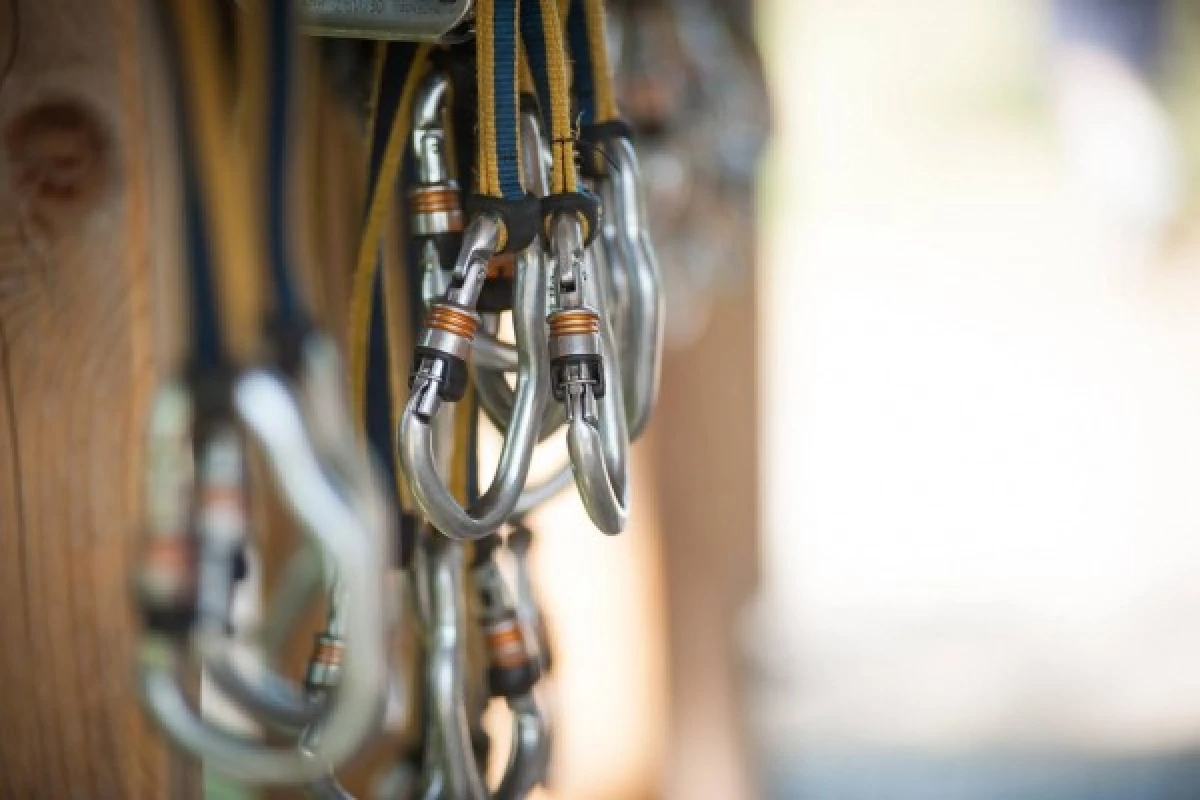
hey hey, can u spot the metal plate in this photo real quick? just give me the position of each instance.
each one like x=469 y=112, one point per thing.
x=414 y=20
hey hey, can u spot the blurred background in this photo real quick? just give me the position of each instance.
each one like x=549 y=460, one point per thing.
x=916 y=518
x=918 y=515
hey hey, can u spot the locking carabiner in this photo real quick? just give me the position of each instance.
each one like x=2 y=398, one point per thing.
x=496 y=397
x=585 y=373
x=514 y=666
x=514 y=669
x=629 y=252
x=265 y=405
x=440 y=371
x=586 y=379
x=285 y=399
x=440 y=376
x=263 y=693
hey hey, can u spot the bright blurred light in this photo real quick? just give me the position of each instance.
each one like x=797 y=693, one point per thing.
x=981 y=401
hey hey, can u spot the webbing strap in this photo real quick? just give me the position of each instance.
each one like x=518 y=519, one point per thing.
x=237 y=218
x=499 y=167
x=594 y=87
x=282 y=120
x=223 y=240
x=399 y=68
x=542 y=34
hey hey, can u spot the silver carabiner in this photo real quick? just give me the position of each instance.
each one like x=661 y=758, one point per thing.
x=586 y=379
x=496 y=397
x=451 y=326
x=630 y=264
x=270 y=413
x=262 y=692
x=447 y=672
x=630 y=253
x=441 y=376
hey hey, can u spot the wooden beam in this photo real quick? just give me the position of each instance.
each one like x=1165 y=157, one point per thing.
x=75 y=373
x=705 y=436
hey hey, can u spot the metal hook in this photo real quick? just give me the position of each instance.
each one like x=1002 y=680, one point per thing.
x=263 y=693
x=586 y=380
x=440 y=375
x=447 y=672
x=514 y=667
x=496 y=398
x=630 y=253
x=272 y=417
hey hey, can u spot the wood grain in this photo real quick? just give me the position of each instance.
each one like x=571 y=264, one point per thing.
x=75 y=370
x=705 y=440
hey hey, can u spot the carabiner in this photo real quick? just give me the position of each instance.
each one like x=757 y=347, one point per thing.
x=587 y=380
x=446 y=671
x=437 y=216
x=514 y=669
x=630 y=253
x=514 y=666
x=263 y=693
x=270 y=414
x=441 y=374
x=495 y=395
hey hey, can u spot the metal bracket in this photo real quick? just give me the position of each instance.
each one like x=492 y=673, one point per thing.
x=411 y=20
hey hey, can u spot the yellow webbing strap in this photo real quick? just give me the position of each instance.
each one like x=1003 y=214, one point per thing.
x=230 y=201
x=380 y=203
x=563 y=175
x=602 y=77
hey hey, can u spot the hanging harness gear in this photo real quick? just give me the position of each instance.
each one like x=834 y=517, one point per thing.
x=279 y=388
x=501 y=218
x=554 y=240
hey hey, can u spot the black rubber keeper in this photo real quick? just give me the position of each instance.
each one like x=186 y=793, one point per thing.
x=173 y=621
x=581 y=203
x=593 y=141
x=522 y=218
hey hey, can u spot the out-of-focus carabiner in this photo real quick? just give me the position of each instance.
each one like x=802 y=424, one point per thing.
x=586 y=379
x=514 y=669
x=269 y=381
x=267 y=409
x=629 y=251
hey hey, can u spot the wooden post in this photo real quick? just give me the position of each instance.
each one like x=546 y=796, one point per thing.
x=75 y=373
x=706 y=445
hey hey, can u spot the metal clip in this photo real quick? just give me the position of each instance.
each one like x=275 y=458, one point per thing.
x=440 y=372
x=631 y=259
x=342 y=519
x=587 y=382
x=441 y=376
